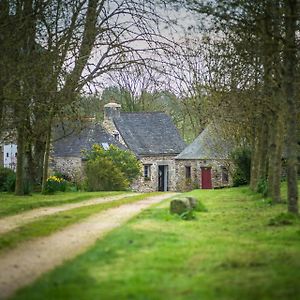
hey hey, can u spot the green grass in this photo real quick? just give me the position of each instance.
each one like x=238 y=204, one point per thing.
x=47 y=225
x=11 y=204
x=229 y=252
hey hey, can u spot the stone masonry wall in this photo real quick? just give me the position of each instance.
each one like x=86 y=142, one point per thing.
x=71 y=166
x=195 y=181
x=150 y=185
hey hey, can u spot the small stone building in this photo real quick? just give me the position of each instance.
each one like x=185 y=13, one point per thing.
x=153 y=138
x=205 y=162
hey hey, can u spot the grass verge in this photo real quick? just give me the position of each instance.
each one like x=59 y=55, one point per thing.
x=229 y=252
x=47 y=225
x=11 y=204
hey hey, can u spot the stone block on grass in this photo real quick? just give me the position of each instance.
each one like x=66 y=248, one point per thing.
x=180 y=206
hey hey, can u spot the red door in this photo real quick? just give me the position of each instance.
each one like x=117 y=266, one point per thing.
x=206 y=178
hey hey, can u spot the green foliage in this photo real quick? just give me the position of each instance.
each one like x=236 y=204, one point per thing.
x=242 y=160
x=112 y=169
x=188 y=215
x=55 y=184
x=262 y=186
x=200 y=207
x=103 y=175
x=7 y=180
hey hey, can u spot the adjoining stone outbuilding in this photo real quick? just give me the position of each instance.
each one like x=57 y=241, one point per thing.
x=69 y=143
x=205 y=163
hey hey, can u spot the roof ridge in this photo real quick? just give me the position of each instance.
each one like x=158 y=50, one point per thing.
x=143 y=112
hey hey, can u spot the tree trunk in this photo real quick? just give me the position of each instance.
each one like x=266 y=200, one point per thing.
x=290 y=63
x=19 y=189
x=254 y=159
x=272 y=153
x=262 y=152
x=278 y=159
x=46 y=158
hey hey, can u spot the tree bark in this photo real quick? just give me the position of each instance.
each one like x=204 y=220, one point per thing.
x=290 y=63
x=254 y=158
x=278 y=159
x=46 y=158
x=19 y=189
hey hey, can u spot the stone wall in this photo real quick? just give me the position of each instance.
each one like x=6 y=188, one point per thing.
x=71 y=166
x=151 y=184
x=195 y=180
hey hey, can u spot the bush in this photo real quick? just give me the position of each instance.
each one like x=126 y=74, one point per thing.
x=7 y=180
x=55 y=184
x=262 y=187
x=242 y=161
x=112 y=169
x=103 y=175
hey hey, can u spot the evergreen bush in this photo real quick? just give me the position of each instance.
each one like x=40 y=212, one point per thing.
x=111 y=169
x=7 y=180
x=242 y=161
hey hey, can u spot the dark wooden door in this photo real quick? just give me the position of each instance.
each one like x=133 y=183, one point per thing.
x=163 y=178
x=206 y=178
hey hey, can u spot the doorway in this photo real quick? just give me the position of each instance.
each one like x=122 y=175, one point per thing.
x=163 y=178
x=206 y=182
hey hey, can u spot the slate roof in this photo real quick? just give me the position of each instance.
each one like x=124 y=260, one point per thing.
x=210 y=144
x=69 y=142
x=149 y=133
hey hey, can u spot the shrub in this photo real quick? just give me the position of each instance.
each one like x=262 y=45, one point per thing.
x=103 y=175
x=242 y=160
x=262 y=187
x=55 y=184
x=112 y=169
x=7 y=180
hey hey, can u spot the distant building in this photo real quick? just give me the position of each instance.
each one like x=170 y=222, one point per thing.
x=9 y=156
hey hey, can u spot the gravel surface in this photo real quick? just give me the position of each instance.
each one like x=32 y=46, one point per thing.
x=24 y=264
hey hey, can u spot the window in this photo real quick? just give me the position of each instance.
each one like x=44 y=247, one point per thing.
x=224 y=175
x=116 y=136
x=147 y=171
x=187 y=172
x=7 y=154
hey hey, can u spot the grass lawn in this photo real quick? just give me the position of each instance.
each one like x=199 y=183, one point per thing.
x=11 y=204
x=49 y=224
x=229 y=252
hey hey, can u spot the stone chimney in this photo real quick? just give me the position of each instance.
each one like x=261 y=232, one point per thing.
x=111 y=111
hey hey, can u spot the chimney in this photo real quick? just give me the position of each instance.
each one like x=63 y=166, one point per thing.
x=111 y=111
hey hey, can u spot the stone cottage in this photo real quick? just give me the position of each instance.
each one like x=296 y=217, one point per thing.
x=205 y=163
x=167 y=164
x=153 y=138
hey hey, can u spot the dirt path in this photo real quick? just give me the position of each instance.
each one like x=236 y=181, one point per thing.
x=26 y=263
x=12 y=222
